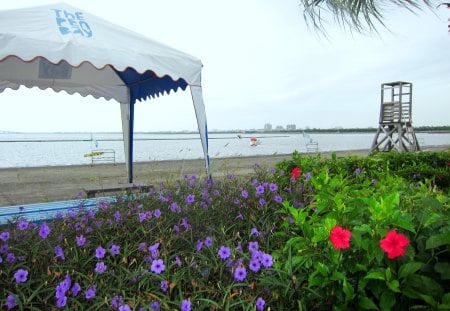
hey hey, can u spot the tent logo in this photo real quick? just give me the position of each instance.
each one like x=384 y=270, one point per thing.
x=72 y=23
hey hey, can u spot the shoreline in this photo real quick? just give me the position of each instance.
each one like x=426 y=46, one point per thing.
x=25 y=185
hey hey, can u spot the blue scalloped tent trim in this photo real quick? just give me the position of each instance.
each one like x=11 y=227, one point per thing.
x=148 y=84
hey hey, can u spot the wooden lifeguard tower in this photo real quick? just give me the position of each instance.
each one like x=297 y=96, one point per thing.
x=395 y=130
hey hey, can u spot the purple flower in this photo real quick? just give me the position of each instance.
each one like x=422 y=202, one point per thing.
x=254 y=231
x=22 y=225
x=185 y=223
x=114 y=250
x=142 y=246
x=164 y=286
x=253 y=246
x=157 y=213
x=260 y=189
x=262 y=202
x=208 y=241
x=308 y=176
x=44 y=231
x=158 y=266
x=100 y=267
x=4 y=248
x=244 y=194
x=100 y=252
x=124 y=308
x=117 y=216
x=190 y=198
x=76 y=289
x=81 y=240
x=10 y=302
x=61 y=301
x=273 y=187
x=21 y=276
x=357 y=171
x=199 y=246
x=59 y=252
x=239 y=247
x=278 y=199
x=254 y=265
x=90 y=292
x=155 y=305
x=267 y=260
x=154 y=250
x=4 y=236
x=260 y=304
x=177 y=261
x=10 y=258
x=224 y=252
x=117 y=301
x=240 y=274
x=1 y=259
x=185 y=305
x=174 y=208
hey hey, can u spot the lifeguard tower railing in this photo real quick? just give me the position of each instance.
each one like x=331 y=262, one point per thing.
x=395 y=129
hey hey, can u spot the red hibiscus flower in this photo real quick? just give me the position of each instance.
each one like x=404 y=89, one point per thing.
x=295 y=173
x=340 y=238
x=394 y=244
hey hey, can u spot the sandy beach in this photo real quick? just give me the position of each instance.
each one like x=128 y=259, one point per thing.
x=53 y=183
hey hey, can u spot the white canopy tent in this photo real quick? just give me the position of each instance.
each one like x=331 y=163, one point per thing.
x=65 y=48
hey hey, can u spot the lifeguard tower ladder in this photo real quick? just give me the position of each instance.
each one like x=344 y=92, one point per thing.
x=395 y=119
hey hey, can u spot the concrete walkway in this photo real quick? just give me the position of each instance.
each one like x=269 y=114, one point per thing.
x=54 y=183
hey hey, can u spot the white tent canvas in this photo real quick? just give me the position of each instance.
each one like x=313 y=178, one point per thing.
x=65 y=48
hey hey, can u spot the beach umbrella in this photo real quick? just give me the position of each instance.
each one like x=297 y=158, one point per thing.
x=62 y=47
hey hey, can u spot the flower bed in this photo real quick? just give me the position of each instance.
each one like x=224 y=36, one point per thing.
x=311 y=233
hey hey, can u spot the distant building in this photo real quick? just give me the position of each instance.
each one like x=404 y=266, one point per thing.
x=267 y=127
x=279 y=128
x=291 y=127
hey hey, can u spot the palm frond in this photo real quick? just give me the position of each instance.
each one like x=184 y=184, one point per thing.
x=358 y=15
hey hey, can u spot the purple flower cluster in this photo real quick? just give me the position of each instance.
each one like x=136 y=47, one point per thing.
x=62 y=290
x=44 y=231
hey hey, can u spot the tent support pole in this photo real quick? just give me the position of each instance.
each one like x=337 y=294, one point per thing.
x=130 y=151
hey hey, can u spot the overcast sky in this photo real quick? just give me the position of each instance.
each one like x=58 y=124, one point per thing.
x=261 y=65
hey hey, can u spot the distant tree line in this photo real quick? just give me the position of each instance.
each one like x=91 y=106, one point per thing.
x=428 y=128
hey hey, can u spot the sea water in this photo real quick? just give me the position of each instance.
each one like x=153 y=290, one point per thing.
x=52 y=149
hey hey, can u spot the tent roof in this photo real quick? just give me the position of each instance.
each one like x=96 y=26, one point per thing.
x=65 y=48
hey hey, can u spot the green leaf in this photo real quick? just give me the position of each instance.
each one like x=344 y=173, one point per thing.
x=409 y=268
x=338 y=276
x=432 y=219
x=330 y=223
x=367 y=304
x=443 y=268
x=429 y=300
x=438 y=240
x=348 y=290
x=394 y=286
x=433 y=203
x=322 y=269
x=320 y=234
x=388 y=274
x=375 y=275
x=387 y=300
x=404 y=221
x=446 y=299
